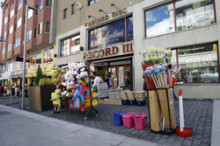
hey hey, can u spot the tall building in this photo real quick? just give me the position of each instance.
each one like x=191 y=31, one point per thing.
x=39 y=46
x=112 y=35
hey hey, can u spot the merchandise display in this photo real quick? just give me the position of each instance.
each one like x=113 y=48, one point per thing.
x=55 y=97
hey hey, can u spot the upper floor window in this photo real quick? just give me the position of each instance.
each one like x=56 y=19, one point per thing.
x=47 y=26
x=39 y=28
x=64 y=13
x=41 y=3
x=30 y=13
x=48 y=2
x=11 y=29
x=5 y=35
x=35 y=32
x=17 y=42
x=3 y=51
x=20 y=3
x=188 y=15
x=193 y=14
x=73 y=9
x=12 y=13
x=19 y=22
x=9 y=47
x=29 y=35
x=6 y=20
x=70 y=45
x=91 y=2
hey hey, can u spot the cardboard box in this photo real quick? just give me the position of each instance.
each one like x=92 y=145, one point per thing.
x=155 y=111
x=165 y=109
x=101 y=101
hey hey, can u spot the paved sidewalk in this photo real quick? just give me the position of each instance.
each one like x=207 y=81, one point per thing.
x=34 y=129
x=216 y=124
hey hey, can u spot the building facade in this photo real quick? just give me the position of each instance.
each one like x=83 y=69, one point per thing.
x=39 y=47
x=112 y=35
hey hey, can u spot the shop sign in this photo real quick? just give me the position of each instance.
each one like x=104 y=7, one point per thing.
x=108 y=52
x=15 y=73
x=106 y=17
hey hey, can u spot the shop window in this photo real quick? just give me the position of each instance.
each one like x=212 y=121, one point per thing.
x=48 y=2
x=91 y=2
x=14 y=66
x=198 y=64
x=10 y=67
x=64 y=13
x=160 y=20
x=73 y=9
x=112 y=33
x=193 y=14
x=70 y=45
x=9 y=47
x=3 y=51
x=20 y=3
x=47 y=26
x=41 y=3
x=35 y=59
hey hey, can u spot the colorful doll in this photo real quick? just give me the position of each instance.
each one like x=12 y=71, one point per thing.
x=55 y=97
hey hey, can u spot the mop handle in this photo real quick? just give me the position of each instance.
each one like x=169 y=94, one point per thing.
x=181 y=114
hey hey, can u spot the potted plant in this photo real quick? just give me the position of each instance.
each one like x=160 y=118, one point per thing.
x=40 y=93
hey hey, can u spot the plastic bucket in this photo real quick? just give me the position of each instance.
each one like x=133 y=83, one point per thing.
x=118 y=118
x=141 y=103
x=132 y=102
x=140 y=95
x=128 y=120
x=125 y=102
x=140 y=121
x=123 y=95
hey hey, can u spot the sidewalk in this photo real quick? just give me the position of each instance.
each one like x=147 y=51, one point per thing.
x=197 y=115
x=34 y=129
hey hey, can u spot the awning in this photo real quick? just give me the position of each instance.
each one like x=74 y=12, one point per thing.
x=111 y=59
x=3 y=78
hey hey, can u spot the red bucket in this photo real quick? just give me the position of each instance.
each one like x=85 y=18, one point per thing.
x=185 y=133
x=128 y=120
x=140 y=121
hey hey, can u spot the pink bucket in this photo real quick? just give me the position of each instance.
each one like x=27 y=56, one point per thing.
x=128 y=120
x=140 y=121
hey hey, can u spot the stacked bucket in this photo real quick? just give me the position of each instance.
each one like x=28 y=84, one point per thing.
x=133 y=97
x=130 y=120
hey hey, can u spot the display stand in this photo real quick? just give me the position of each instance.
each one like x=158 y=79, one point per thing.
x=170 y=130
x=91 y=111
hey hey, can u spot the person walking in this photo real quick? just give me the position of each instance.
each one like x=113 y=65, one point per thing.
x=16 y=91
x=5 y=90
x=97 y=80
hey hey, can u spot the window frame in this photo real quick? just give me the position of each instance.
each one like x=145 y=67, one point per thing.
x=41 y=5
x=196 y=45
x=65 y=13
x=47 y=23
x=175 y=25
x=48 y=3
x=73 y=10
x=94 y=1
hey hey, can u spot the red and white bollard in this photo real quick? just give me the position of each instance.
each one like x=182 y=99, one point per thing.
x=181 y=131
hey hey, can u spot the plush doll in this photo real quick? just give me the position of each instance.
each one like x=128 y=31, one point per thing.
x=69 y=79
x=55 y=97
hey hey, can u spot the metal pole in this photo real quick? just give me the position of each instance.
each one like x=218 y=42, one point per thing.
x=10 y=92
x=24 y=58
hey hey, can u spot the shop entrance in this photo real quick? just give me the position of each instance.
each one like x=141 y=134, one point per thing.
x=117 y=73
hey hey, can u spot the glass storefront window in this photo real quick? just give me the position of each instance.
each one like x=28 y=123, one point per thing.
x=35 y=59
x=48 y=55
x=194 y=13
x=112 y=33
x=160 y=21
x=70 y=46
x=198 y=64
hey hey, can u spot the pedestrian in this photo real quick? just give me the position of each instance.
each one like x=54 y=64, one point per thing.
x=16 y=91
x=173 y=84
x=97 y=80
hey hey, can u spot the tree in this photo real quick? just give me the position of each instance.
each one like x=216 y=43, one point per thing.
x=39 y=76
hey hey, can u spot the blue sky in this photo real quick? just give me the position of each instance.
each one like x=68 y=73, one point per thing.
x=1 y=17
x=157 y=15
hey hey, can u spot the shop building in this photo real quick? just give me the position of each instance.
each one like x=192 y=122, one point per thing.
x=107 y=28
x=38 y=37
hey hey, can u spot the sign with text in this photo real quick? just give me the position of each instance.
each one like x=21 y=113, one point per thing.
x=121 y=75
x=102 y=90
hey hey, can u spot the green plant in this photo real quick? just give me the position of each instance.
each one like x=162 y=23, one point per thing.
x=39 y=75
x=45 y=82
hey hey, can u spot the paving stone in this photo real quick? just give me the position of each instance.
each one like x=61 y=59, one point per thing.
x=197 y=115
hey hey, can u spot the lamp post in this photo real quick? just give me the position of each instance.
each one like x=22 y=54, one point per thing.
x=24 y=55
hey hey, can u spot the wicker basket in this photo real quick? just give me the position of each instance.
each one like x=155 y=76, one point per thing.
x=130 y=95
x=123 y=95
x=140 y=95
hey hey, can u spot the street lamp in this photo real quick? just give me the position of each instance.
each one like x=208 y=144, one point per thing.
x=24 y=54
